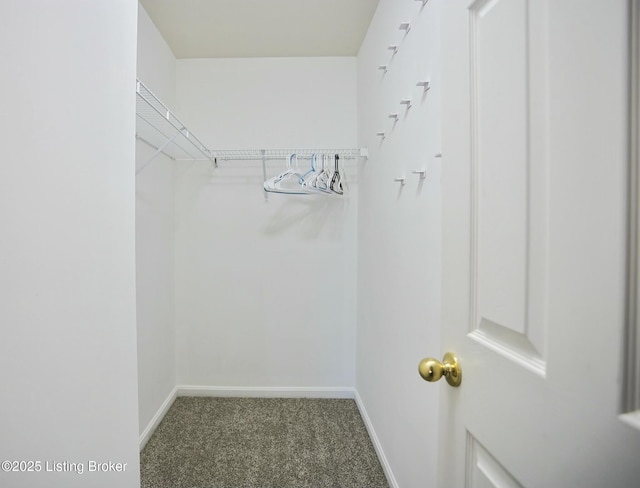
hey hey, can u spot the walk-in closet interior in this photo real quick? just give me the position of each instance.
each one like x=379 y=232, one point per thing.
x=248 y=292
x=277 y=200
x=138 y=274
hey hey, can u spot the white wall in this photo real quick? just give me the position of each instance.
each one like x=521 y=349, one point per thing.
x=399 y=235
x=67 y=270
x=154 y=237
x=265 y=289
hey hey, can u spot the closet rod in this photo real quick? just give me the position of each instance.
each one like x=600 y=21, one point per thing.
x=283 y=154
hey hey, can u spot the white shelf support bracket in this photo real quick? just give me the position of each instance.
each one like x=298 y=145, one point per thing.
x=158 y=151
x=406 y=101
x=381 y=134
x=158 y=127
x=401 y=180
x=424 y=2
x=405 y=26
x=393 y=47
x=383 y=67
x=424 y=84
x=393 y=116
x=421 y=172
x=264 y=173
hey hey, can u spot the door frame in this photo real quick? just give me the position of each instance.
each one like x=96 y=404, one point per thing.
x=631 y=392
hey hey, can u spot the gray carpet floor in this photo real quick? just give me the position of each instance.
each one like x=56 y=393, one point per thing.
x=261 y=443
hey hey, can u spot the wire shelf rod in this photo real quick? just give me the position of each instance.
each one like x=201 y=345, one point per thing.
x=283 y=154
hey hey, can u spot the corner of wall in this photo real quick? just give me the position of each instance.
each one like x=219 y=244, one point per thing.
x=155 y=231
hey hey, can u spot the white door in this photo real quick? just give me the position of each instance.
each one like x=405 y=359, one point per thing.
x=534 y=210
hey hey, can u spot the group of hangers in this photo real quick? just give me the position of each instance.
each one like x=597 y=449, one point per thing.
x=319 y=178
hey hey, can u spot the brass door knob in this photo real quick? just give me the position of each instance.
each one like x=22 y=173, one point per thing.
x=432 y=370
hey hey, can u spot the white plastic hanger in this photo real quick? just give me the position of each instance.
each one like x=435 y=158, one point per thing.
x=286 y=182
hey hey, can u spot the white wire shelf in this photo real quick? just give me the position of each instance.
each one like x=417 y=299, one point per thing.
x=280 y=154
x=158 y=127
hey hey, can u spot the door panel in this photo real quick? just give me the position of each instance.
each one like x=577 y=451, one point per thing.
x=534 y=175
x=500 y=160
x=484 y=470
x=509 y=177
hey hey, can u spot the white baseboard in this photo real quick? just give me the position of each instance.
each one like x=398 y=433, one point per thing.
x=157 y=418
x=386 y=467
x=266 y=392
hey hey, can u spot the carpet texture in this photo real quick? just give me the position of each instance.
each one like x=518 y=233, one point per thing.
x=205 y=442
